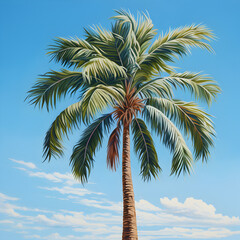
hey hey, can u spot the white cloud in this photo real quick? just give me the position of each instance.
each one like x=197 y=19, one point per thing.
x=4 y=197
x=112 y=206
x=188 y=233
x=114 y=233
x=108 y=225
x=101 y=231
x=57 y=236
x=71 y=220
x=10 y=209
x=195 y=210
x=48 y=176
x=190 y=219
x=56 y=177
x=146 y=206
x=70 y=190
x=34 y=236
x=191 y=207
x=6 y=222
x=102 y=204
x=26 y=164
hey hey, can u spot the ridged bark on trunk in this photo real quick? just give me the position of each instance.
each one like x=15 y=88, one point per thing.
x=129 y=212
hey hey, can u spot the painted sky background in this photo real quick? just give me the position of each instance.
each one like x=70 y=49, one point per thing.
x=42 y=201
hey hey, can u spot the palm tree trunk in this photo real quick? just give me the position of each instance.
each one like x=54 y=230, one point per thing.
x=129 y=212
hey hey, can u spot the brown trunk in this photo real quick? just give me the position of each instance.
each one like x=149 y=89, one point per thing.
x=129 y=212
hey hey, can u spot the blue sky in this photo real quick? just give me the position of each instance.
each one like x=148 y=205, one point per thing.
x=43 y=201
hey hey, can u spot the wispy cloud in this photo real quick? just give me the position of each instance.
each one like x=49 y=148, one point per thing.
x=188 y=233
x=72 y=191
x=109 y=224
x=114 y=233
x=6 y=222
x=26 y=164
x=101 y=218
x=4 y=197
x=66 y=178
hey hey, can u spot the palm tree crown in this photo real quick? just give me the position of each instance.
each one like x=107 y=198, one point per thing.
x=121 y=69
x=126 y=70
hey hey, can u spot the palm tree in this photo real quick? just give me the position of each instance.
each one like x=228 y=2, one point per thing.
x=126 y=78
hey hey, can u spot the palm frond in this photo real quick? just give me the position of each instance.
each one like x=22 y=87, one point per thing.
x=84 y=151
x=67 y=50
x=174 y=44
x=155 y=87
x=144 y=32
x=171 y=138
x=113 y=148
x=189 y=117
x=103 y=40
x=178 y=42
x=102 y=68
x=54 y=85
x=65 y=122
x=144 y=148
x=201 y=86
x=97 y=98
x=125 y=40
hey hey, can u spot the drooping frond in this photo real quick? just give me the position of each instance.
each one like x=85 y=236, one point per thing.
x=174 y=44
x=54 y=85
x=84 y=151
x=171 y=138
x=201 y=86
x=144 y=148
x=66 y=51
x=97 y=98
x=113 y=148
x=102 y=68
x=155 y=87
x=194 y=121
x=65 y=122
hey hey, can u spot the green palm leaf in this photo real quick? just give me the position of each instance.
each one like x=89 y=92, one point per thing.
x=65 y=122
x=144 y=32
x=126 y=43
x=97 y=98
x=189 y=117
x=84 y=151
x=102 y=68
x=54 y=85
x=171 y=137
x=155 y=87
x=203 y=87
x=66 y=50
x=175 y=43
x=103 y=40
x=144 y=148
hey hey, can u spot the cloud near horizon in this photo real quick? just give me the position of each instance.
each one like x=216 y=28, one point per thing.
x=101 y=218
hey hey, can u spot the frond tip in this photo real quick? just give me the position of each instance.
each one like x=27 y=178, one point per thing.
x=192 y=120
x=84 y=151
x=202 y=87
x=65 y=122
x=54 y=85
x=172 y=138
x=144 y=148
